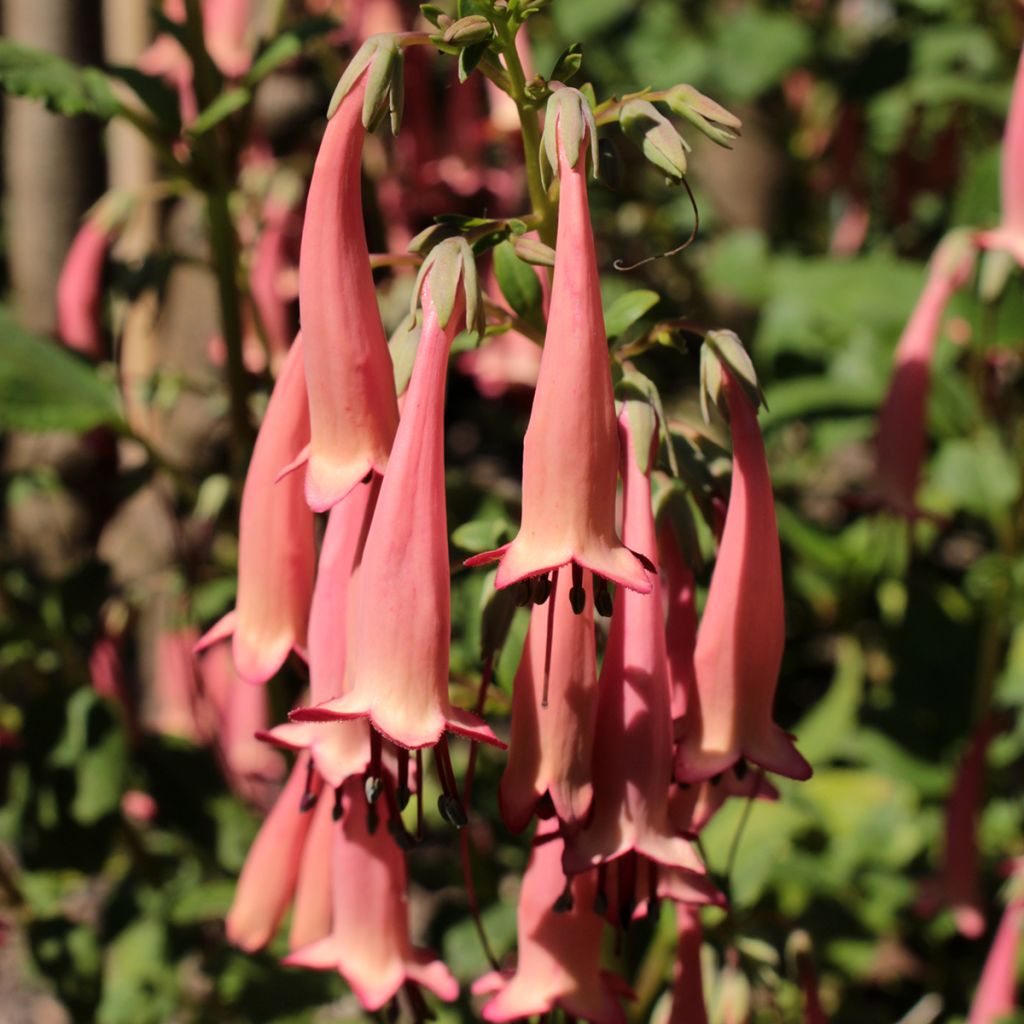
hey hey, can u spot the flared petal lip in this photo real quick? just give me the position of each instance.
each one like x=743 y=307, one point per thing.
x=598 y=568
x=698 y=766
x=454 y=720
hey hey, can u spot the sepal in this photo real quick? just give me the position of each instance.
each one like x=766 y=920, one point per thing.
x=724 y=348
x=655 y=134
x=707 y=116
x=570 y=119
x=385 y=90
x=448 y=263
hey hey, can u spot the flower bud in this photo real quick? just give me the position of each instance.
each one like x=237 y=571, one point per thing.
x=725 y=348
x=655 y=134
x=570 y=120
x=468 y=31
x=707 y=116
x=534 y=251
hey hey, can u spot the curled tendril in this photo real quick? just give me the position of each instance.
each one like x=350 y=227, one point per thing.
x=619 y=265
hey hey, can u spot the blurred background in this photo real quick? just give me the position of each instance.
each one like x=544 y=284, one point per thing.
x=130 y=788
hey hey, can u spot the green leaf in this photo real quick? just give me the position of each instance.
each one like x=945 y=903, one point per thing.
x=287 y=46
x=139 y=985
x=518 y=282
x=567 y=64
x=627 y=309
x=977 y=475
x=221 y=108
x=64 y=87
x=470 y=57
x=155 y=93
x=481 y=534
x=43 y=387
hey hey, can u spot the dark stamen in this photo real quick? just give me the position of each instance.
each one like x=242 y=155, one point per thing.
x=524 y=593
x=550 y=637
x=601 y=896
x=577 y=595
x=602 y=597
x=448 y=803
x=716 y=779
x=403 y=779
x=339 y=807
x=740 y=769
x=372 y=819
x=652 y=889
x=627 y=888
x=417 y=1004
x=564 y=903
x=308 y=801
x=541 y=588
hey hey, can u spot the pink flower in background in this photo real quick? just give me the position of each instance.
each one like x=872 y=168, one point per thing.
x=80 y=291
x=352 y=406
x=1009 y=236
x=311 y=910
x=505 y=363
x=996 y=995
x=902 y=421
x=958 y=885
x=166 y=58
x=397 y=672
x=551 y=746
x=270 y=873
x=742 y=631
x=570 y=453
x=176 y=705
x=270 y=259
x=559 y=960
x=633 y=745
x=369 y=943
x=688 y=986
x=226 y=34
x=276 y=554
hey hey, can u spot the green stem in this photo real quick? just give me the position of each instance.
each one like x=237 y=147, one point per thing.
x=530 y=127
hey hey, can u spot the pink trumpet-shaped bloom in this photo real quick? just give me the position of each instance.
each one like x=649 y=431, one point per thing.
x=271 y=868
x=397 y=673
x=688 y=985
x=1009 y=236
x=369 y=943
x=551 y=746
x=680 y=620
x=166 y=58
x=339 y=749
x=570 y=453
x=352 y=405
x=270 y=258
x=311 y=911
x=633 y=746
x=958 y=885
x=690 y=809
x=225 y=31
x=559 y=959
x=996 y=995
x=743 y=629
x=176 y=704
x=80 y=291
x=902 y=421
x=276 y=551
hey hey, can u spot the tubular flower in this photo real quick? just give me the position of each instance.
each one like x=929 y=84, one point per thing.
x=339 y=749
x=269 y=260
x=225 y=31
x=559 y=960
x=271 y=867
x=902 y=422
x=176 y=707
x=957 y=885
x=680 y=619
x=80 y=291
x=369 y=942
x=633 y=747
x=276 y=553
x=1009 y=236
x=688 y=985
x=397 y=673
x=996 y=995
x=311 y=910
x=352 y=405
x=742 y=630
x=570 y=452
x=554 y=707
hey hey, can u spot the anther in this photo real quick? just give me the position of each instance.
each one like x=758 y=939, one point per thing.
x=372 y=819
x=308 y=801
x=602 y=597
x=524 y=593
x=577 y=595
x=740 y=769
x=339 y=807
x=564 y=903
x=541 y=589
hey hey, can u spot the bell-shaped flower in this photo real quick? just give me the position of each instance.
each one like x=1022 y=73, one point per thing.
x=369 y=943
x=272 y=255
x=742 y=630
x=680 y=594
x=271 y=868
x=688 y=1005
x=903 y=420
x=570 y=452
x=958 y=884
x=226 y=35
x=996 y=995
x=397 y=672
x=311 y=908
x=276 y=551
x=559 y=958
x=175 y=705
x=1009 y=236
x=554 y=709
x=339 y=749
x=633 y=746
x=80 y=291
x=352 y=406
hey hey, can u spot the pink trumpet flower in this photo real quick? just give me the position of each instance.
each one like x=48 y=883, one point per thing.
x=225 y=31
x=276 y=552
x=352 y=405
x=339 y=749
x=688 y=986
x=570 y=452
x=554 y=708
x=902 y=422
x=269 y=260
x=680 y=620
x=311 y=910
x=742 y=631
x=271 y=868
x=633 y=746
x=996 y=995
x=369 y=943
x=80 y=291
x=176 y=704
x=397 y=674
x=559 y=960
x=958 y=884
x=1009 y=236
